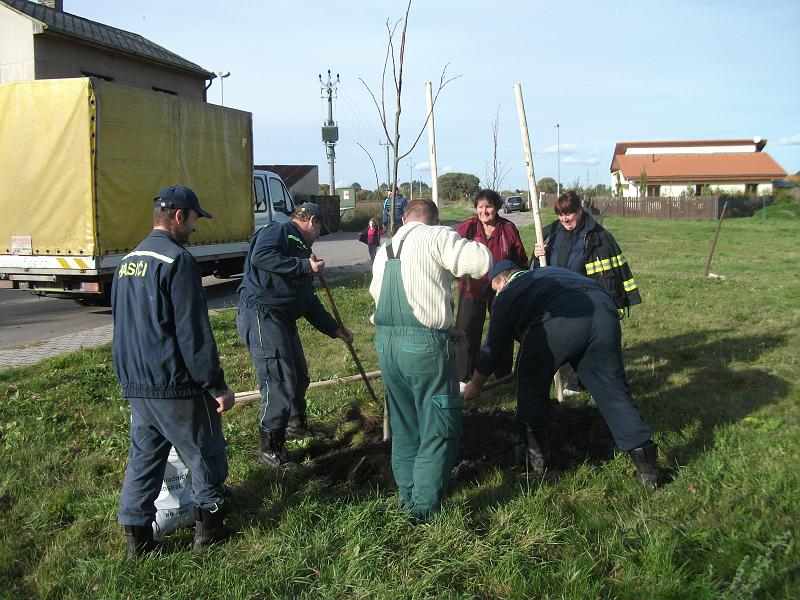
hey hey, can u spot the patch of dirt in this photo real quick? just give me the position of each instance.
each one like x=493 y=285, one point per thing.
x=489 y=440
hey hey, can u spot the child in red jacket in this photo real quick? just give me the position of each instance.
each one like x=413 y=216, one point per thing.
x=371 y=236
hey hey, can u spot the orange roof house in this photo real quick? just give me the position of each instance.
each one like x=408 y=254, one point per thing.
x=677 y=168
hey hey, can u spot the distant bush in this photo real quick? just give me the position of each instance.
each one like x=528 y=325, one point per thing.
x=786 y=205
x=358 y=218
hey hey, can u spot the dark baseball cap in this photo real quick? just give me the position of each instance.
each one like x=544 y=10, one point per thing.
x=315 y=210
x=500 y=267
x=179 y=196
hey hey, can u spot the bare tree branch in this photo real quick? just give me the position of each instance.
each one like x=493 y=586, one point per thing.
x=381 y=115
x=442 y=83
x=496 y=173
x=374 y=168
x=393 y=138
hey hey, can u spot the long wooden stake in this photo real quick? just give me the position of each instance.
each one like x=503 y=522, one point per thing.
x=459 y=326
x=534 y=196
x=716 y=237
x=323 y=280
x=432 y=145
x=243 y=397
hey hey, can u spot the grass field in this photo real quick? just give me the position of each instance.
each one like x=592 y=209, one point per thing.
x=713 y=364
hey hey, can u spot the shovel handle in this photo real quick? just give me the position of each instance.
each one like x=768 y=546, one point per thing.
x=338 y=318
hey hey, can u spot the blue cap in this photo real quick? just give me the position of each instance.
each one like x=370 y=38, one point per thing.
x=179 y=196
x=314 y=209
x=501 y=266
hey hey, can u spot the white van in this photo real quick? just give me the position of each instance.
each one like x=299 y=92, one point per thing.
x=271 y=199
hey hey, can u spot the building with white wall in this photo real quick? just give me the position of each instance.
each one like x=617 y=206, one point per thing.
x=693 y=167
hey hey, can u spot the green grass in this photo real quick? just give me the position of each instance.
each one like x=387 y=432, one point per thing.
x=713 y=364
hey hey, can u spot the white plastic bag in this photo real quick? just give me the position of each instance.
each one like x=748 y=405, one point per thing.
x=174 y=504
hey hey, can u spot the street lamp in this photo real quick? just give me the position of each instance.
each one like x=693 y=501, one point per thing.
x=411 y=183
x=558 y=155
x=222 y=75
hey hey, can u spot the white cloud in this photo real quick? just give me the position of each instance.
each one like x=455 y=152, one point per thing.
x=564 y=149
x=446 y=169
x=423 y=166
x=790 y=141
x=341 y=183
x=580 y=161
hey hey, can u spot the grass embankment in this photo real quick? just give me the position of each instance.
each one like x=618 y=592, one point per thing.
x=712 y=363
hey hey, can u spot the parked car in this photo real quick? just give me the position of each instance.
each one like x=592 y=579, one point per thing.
x=514 y=203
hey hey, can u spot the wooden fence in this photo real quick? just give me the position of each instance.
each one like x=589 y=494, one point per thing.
x=691 y=207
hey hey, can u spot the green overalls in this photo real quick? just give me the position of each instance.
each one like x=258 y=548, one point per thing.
x=421 y=382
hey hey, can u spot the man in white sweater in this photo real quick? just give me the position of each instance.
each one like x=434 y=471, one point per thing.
x=411 y=280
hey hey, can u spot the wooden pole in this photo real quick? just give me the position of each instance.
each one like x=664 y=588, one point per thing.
x=534 y=194
x=459 y=326
x=243 y=397
x=338 y=318
x=716 y=237
x=432 y=145
x=532 y=188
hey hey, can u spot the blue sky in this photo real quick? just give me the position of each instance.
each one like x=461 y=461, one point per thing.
x=604 y=71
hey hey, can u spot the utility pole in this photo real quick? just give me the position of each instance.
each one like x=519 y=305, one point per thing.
x=388 y=169
x=330 y=132
x=222 y=75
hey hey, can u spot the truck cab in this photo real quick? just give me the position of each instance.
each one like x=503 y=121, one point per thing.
x=271 y=199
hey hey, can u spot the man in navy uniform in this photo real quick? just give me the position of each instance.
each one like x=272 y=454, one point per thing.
x=559 y=316
x=276 y=290
x=166 y=360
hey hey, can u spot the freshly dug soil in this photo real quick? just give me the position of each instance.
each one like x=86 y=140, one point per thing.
x=577 y=435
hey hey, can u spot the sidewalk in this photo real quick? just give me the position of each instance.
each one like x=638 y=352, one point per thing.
x=90 y=338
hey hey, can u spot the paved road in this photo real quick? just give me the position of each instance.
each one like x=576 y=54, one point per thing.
x=34 y=328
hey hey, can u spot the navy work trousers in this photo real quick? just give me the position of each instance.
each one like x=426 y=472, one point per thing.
x=194 y=427
x=583 y=330
x=280 y=365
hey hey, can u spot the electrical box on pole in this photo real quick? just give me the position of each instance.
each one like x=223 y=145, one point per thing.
x=330 y=132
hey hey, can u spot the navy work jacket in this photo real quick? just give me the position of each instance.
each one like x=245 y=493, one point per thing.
x=163 y=346
x=277 y=277
x=527 y=299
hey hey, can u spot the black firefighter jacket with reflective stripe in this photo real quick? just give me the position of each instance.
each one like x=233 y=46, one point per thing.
x=163 y=345
x=277 y=278
x=603 y=261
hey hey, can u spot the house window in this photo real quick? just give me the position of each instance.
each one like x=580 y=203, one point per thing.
x=751 y=189
x=698 y=189
x=163 y=91
x=97 y=76
x=653 y=190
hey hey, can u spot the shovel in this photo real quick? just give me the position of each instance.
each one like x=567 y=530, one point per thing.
x=324 y=282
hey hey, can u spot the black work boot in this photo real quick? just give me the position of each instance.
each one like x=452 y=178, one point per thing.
x=139 y=539
x=645 y=459
x=537 y=449
x=209 y=527
x=298 y=429
x=273 y=449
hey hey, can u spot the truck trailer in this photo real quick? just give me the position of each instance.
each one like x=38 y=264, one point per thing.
x=80 y=163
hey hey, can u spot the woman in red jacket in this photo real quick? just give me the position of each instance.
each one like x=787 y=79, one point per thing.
x=502 y=238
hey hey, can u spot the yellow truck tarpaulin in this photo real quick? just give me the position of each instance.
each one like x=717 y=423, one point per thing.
x=82 y=159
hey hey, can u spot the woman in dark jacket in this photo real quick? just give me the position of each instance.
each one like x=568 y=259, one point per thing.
x=502 y=238
x=577 y=242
